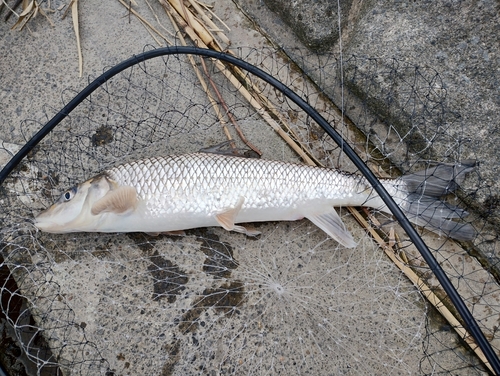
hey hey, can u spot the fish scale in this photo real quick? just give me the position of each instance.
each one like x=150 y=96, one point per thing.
x=214 y=182
x=180 y=192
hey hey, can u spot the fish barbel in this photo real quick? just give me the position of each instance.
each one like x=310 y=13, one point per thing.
x=179 y=192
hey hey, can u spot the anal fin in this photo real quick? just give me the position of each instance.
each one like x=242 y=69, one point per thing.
x=331 y=223
x=247 y=230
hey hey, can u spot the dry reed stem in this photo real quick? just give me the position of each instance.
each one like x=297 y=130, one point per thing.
x=423 y=288
x=209 y=22
x=229 y=113
x=144 y=21
x=202 y=80
x=207 y=8
x=203 y=33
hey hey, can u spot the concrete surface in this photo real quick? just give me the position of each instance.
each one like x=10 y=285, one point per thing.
x=316 y=24
x=291 y=302
x=411 y=65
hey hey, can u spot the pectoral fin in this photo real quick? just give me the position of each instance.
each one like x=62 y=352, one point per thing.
x=332 y=224
x=116 y=201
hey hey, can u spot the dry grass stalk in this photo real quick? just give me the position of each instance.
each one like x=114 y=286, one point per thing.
x=30 y=11
x=421 y=286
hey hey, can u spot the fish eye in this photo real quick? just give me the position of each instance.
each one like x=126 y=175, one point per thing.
x=68 y=195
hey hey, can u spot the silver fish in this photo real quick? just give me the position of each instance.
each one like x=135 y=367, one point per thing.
x=179 y=192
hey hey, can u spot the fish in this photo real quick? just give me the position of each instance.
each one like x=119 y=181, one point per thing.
x=173 y=193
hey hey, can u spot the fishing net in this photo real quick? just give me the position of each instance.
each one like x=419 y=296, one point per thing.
x=291 y=301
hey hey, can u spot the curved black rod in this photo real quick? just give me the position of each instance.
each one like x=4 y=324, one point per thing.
x=462 y=309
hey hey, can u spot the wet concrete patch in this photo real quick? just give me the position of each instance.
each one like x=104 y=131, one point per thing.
x=219 y=261
x=224 y=299
x=169 y=279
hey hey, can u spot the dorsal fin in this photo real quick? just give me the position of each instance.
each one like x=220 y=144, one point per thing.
x=227 y=148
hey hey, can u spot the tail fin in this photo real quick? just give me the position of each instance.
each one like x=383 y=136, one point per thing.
x=423 y=207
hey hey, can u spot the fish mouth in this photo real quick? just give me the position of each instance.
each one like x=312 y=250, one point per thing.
x=46 y=226
x=43 y=223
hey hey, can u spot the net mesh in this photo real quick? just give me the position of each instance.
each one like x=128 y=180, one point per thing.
x=214 y=302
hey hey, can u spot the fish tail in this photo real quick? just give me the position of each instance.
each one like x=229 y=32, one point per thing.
x=421 y=203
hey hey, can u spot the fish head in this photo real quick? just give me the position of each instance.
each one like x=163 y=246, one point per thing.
x=72 y=212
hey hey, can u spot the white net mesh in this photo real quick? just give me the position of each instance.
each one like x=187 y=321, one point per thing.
x=213 y=302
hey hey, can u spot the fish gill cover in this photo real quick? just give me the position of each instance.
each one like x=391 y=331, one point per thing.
x=292 y=301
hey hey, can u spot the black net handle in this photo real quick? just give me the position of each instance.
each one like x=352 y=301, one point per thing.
x=455 y=298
